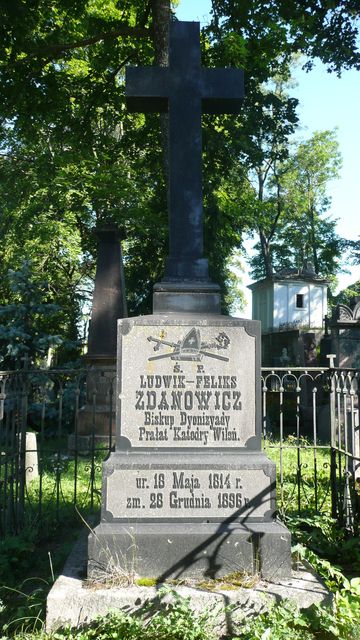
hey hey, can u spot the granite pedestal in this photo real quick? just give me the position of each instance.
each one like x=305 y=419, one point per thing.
x=75 y=601
x=188 y=491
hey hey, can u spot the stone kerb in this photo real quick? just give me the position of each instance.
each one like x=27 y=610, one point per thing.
x=74 y=602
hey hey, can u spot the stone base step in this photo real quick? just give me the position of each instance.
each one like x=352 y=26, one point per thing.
x=190 y=549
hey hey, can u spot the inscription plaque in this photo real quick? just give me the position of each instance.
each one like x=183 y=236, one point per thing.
x=199 y=493
x=188 y=386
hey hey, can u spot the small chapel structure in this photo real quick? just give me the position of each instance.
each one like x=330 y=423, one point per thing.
x=291 y=306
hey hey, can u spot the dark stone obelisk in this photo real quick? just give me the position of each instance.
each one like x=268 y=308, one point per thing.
x=109 y=301
x=96 y=419
x=185 y=90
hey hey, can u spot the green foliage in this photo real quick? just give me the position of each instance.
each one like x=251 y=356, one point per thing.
x=79 y=159
x=340 y=619
x=298 y=470
x=28 y=321
x=293 y=223
x=324 y=29
x=23 y=598
x=346 y=295
x=272 y=194
x=25 y=612
x=171 y=619
x=175 y=619
x=26 y=575
x=71 y=156
x=115 y=626
x=354 y=246
x=15 y=557
x=323 y=537
x=281 y=622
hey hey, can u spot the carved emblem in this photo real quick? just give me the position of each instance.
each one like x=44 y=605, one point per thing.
x=191 y=347
x=356 y=311
x=344 y=312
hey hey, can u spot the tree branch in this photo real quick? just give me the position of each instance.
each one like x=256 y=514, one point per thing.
x=58 y=48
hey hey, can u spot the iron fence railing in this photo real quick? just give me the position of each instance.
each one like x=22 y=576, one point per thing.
x=60 y=466
x=311 y=426
x=57 y=426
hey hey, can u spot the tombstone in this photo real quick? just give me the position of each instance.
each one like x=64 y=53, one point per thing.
x=96 y=419
x=188 y=490
x=31 y=457
x=284 y=359
x=345 y=343
x=109 y=302
x=345 y=334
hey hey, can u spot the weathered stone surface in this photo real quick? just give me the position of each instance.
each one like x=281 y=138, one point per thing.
x=186 y=297
x=172 y=494
x=346 y=345
x=85 y=445
x=31 y=457
x=183 y=383
x=210 y=487
x=188 y=491
x=188 y=485
x=96 y=419
x=190 y=549
x=167 y=516
x=73 y=602
x=109 y=302
x=345 y=334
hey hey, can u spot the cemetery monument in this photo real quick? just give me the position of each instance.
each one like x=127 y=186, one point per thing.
x=345 y=334
x=188 y=491
x=96 y=421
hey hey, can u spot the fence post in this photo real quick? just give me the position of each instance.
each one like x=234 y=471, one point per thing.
x=333 y=481
x=21 y=462
x=4 y=507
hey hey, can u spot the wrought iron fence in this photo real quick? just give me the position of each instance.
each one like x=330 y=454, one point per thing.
x=311 y=428
x=45 y=475
x=57 y=426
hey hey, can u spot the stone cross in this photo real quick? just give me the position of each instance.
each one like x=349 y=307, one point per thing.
x=184 y=89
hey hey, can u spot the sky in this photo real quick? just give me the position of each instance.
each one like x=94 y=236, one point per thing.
x=326 y=102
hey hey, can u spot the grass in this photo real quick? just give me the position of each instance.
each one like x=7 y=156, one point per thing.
x=303 y=476
x=31 y=560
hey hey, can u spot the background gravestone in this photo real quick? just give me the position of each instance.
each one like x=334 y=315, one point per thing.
x=109 y=301
x=96 y=419
x=345 y=334
x=188 y=491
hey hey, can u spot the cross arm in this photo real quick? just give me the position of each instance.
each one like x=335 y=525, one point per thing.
x=146 y=88
x=222 y=90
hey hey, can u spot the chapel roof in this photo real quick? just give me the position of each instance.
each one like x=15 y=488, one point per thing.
x=307 y=274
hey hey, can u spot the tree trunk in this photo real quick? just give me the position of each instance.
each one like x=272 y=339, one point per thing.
x=161 y=14
x=313 y=241
x=265 y=251
x=264 y=241
x=312 y=227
